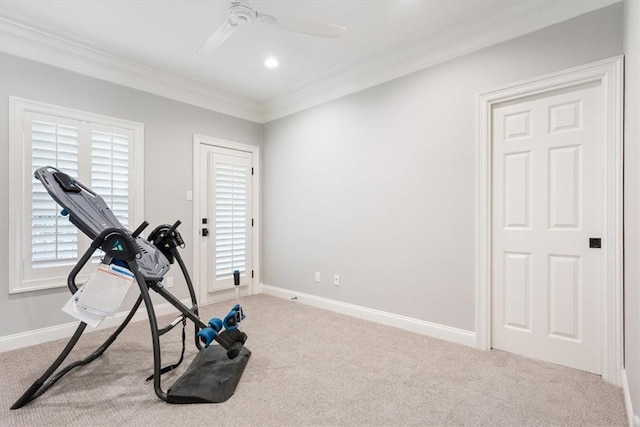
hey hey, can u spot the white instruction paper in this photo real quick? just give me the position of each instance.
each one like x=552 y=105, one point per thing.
x=105 y=290
x=71 y=308
x=101 y=296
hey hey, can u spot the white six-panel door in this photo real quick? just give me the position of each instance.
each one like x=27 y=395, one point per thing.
x=548 y=200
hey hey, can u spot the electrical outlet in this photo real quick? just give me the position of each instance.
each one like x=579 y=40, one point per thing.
x=168 y=282
x=336 y=280
x=317 y=277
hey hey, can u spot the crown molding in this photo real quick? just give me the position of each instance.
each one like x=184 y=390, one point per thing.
x=525 y=17
x=352 y=78
x=30 y=43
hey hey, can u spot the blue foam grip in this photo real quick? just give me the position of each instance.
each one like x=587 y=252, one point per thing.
x=233 y=319
x=207 y=335
x=216 y=324
x=238 y=308
x=64 y=212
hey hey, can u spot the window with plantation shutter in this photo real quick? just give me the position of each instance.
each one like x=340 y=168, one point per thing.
x=102 y=152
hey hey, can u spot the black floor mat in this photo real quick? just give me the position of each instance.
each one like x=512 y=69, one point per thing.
x=211 y=378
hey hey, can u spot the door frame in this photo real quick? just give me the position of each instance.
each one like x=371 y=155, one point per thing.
x=609 y=73
x=198 y=141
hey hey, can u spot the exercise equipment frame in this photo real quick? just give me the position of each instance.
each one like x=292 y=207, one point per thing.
x=124 y=247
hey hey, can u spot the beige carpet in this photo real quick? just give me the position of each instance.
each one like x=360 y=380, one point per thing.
x=312 y=367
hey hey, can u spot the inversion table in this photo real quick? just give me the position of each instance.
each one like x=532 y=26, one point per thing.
x=216 y=369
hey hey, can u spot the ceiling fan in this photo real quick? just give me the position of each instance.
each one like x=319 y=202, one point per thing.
x=242 y=14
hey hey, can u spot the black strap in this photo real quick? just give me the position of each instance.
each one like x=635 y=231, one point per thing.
x=175 y=365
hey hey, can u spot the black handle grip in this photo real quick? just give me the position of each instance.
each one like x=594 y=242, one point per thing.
x=236 y=278
x=139 y=230
x=173 y=227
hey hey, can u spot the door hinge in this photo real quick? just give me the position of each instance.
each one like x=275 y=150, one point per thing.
x=252 y=274
x=252 y=222
x=251 y=171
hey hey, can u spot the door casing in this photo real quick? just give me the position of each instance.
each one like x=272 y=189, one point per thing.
x=201 y=291
x=609 y=75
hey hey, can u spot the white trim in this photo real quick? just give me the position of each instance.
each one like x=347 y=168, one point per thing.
x=71 y=113
x=632 y=419
x=66 y=330
x=521 y=18
x=524 y=18
x=226 y=294
x=30 y=43
x=18 y=160
x=199 y=140
x=518 y=19
x=435 y=330
x=609 y=74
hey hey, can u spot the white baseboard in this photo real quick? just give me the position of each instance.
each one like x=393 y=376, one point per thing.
x=66 y=330
x=447 y=333
x=633 y=420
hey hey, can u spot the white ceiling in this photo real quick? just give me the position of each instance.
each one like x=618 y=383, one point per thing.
x=159 y=39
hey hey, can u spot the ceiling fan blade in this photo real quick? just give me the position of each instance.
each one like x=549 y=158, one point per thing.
x=217 y=38
x=303 y=26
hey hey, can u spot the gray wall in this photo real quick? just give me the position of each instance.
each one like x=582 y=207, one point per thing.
x=632 y=200
x=169 y=129
x=384 y=179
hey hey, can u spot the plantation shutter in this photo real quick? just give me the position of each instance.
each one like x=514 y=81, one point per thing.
x=110 y=170
x=231 y=226
x=54 y=240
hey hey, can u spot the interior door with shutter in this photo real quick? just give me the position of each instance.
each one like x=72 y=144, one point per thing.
x=226 y=218
x=548 y=202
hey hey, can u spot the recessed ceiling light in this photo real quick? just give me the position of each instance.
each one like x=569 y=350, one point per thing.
x=271 y=62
